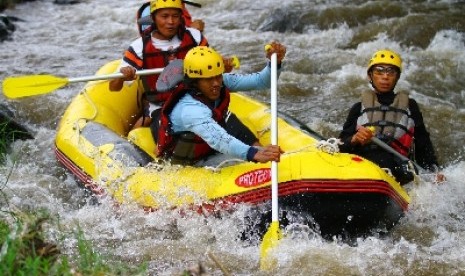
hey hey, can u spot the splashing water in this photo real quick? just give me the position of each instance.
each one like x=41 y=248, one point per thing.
x=328 y=43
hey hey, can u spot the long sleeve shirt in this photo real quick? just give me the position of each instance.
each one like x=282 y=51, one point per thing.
x=191 y=115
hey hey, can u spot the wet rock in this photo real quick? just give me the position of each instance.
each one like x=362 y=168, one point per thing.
x=5 y=4
x=196 y=270
x=6 y=27
x=66 y=2
x=6 y=22
x=10 y=128
x=282 y=21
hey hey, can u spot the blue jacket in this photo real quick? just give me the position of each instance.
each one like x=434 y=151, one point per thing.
x=191 y=115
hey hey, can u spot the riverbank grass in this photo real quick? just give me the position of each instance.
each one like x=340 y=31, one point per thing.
x=25 y=251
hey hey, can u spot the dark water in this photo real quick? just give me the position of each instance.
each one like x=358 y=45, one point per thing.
x=329 y=44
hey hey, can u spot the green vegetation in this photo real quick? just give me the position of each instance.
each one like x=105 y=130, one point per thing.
x=7 y=135
x=3 y=140
x=9 y=132
x=24 y=249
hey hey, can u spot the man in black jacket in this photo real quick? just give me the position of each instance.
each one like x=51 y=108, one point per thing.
x=395 y=118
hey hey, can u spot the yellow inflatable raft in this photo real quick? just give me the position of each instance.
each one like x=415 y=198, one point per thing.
x=335 y=193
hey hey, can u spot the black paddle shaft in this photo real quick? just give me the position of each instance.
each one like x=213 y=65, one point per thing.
x=192 y=3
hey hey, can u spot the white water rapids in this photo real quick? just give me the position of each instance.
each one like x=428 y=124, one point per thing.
x=329 y=43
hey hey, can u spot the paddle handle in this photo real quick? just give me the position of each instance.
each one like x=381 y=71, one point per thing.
x=274 y=136
x=386 y=147
x=192 y=3
x=115 y=75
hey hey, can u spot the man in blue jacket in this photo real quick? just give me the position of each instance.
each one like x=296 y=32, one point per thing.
x=192 y=120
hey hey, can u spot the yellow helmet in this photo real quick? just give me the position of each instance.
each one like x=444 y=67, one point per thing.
x=386 y=57
x=164 y=4
x=203 y=62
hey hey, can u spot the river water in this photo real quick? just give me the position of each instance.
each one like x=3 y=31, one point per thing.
x=329 y=43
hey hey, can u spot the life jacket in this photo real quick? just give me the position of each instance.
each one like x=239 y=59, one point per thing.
x=155 y=58
x=394 y=124
x=186 y=147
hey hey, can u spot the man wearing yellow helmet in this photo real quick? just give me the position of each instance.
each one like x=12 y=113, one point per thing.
x=169 y=39
x=192 y=120
x=144 y=19
x=396 y=119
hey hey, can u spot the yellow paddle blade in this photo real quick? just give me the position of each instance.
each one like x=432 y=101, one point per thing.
x=236 y=63
x=25 y=86
x=270 y=240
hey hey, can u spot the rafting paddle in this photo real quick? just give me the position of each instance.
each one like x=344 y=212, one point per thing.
x=393 y=151
x=273 y=234
x=388 y=148
x=197 y=5
x=26 y=86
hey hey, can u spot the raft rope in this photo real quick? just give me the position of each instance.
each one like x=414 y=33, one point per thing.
x=86 y=96
x=77 y=128
x=222 y=164
x=260 y=133
x=330 y=146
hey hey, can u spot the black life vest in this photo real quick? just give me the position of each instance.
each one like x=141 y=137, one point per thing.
x=186 y=147
x=394 y=124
